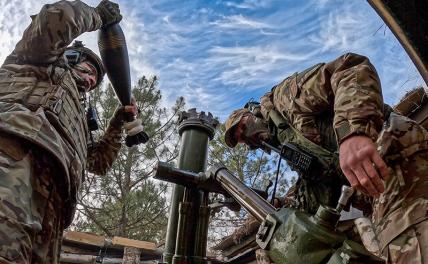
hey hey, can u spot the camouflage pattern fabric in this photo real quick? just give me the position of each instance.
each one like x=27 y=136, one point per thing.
x=323 y=105
x=102 y=154
x=328 y=103
x=40 y=102
x=40 y=105
x=262 y=257
x=31 y=220
x=410 y=246
x=317 y=107
x=367 y=234
x=400 y=214
x=230 y=125
x=348 y=87
x=52 y=30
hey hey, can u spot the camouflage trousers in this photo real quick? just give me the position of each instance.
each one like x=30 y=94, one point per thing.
x=31 y=221
x=262 y=257
x=400 y=214
x=410 y=247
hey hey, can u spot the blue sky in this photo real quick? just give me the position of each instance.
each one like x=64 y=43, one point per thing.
x=218 y=54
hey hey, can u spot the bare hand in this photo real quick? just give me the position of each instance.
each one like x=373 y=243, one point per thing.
x=361 y=164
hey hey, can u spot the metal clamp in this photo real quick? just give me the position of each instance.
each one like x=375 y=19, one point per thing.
x=266 y=230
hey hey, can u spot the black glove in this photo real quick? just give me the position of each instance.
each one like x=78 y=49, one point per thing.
x=109 y=12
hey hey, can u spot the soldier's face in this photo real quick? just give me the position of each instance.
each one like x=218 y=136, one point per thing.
x=239 y=130
x=250 y=130
x=87 y=74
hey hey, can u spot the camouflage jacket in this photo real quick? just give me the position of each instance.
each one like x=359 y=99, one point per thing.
x=322 y=106
x=403 y=144
x=346 y=89
x=39 y=99
x=332 y=101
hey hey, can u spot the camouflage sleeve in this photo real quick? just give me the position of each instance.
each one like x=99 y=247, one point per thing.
x=349 y=86
x=53 y=29
x=266 y=104
x=300 y=99
x=358 y=102
x=103 y=153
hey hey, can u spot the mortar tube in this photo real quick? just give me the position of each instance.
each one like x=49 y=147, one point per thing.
x=202 y=232
x=245 y=196
x=195 y=130
x=177 y=195
x=181 y=246
x=192 y=157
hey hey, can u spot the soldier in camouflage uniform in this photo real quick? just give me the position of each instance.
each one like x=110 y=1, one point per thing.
x=336 y=112
x=44 y=147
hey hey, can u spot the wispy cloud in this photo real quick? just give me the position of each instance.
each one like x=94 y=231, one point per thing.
x=240 y=22
x=249 y=4
x=256 y=54
x=246 y=66
x=343 y=30
x=218 y=54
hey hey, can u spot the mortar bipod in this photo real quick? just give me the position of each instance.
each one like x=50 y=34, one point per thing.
x=288 y=235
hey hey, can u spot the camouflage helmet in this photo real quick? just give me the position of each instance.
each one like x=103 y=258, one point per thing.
x=77 y=53
x=231 y=123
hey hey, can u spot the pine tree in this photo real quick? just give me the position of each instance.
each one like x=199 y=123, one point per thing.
x=255 y=168
x=127 y=202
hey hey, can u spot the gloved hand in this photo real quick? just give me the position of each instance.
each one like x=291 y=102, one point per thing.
x=119 y=115
x=133 y=128
x=109 y=12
